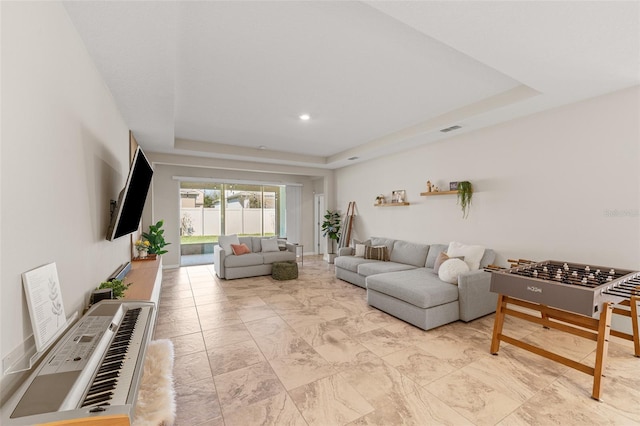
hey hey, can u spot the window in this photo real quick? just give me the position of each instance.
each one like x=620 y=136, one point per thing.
x=208 y=210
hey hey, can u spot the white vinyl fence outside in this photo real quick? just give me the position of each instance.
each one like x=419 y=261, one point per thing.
x=207 y=221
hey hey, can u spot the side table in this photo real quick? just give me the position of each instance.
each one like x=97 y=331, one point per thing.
x=294 y=248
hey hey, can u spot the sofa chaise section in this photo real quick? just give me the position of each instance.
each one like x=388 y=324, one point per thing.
x=416 y=296
x=409 y=288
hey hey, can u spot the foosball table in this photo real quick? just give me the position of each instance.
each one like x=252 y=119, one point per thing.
x=575 y=298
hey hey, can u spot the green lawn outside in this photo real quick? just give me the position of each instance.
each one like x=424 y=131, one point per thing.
x=199 y=239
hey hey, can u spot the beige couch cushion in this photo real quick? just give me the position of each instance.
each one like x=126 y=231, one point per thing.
x=278 y=256
x=249 y=259
x=367 y=269
x=410 y=253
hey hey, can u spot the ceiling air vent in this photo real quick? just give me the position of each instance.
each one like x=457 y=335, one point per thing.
x=448 y=129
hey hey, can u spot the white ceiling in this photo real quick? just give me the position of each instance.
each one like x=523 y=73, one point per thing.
x=220 y=79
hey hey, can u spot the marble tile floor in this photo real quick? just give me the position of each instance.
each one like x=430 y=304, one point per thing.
x=310 y=351
x=196 y=259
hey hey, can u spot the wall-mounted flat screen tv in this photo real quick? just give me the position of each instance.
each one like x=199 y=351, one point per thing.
x=125 y=219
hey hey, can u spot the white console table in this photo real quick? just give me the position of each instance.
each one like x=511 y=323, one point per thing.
x=145 y=279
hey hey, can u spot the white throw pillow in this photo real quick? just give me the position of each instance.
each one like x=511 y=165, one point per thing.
x=225 y=242
x=270 y=245
x=359 y=250
x=472 y=254
x=450 y=269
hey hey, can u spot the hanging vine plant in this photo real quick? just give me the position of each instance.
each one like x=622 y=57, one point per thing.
x=465 y=192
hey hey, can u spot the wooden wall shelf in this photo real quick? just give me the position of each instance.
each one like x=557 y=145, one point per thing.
x=145 y=278
x=391 y=204
x=428 y=194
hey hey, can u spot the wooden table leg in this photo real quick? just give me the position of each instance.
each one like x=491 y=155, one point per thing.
x=604 y=328
x=544 y=317
x=497 y=325
x=635 y=320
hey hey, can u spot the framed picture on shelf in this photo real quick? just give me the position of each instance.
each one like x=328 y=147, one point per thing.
x=398 y=196
x=453 y=186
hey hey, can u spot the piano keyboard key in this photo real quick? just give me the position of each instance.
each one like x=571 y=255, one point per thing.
x=111 y=384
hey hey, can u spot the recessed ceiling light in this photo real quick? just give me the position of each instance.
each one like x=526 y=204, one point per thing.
x=262 y=147
x=304 y=117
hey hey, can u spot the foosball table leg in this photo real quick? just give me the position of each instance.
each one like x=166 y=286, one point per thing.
x=604 y=329
x=545 y=317
x=635 y=324
x=497 y=325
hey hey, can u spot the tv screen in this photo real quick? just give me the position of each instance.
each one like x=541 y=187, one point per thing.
x=128 y=212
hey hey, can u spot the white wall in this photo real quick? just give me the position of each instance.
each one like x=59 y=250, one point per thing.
x=562 y=185
x=166 y=199
x=64 y=155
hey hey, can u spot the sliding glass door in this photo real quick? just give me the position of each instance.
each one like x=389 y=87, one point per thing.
x=209 y=209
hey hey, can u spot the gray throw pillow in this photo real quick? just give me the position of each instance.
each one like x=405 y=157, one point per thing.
x=225 y=242
x=270 y=245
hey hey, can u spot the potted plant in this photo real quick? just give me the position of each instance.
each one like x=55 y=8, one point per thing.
x=465 y=192
x=143 y=248
x=155 y=237
x=331 y=230
x=117 y=287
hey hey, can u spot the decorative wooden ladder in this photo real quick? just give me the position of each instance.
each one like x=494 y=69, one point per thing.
x=345 y=236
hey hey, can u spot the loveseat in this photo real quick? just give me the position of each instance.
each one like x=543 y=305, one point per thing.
x=407 y=287
x=255 y=263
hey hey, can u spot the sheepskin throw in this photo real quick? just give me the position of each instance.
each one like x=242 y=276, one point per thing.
x=156 y=403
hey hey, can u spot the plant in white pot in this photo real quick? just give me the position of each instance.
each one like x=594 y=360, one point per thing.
x=143 y=248
x=118 y=287
x=331 y=230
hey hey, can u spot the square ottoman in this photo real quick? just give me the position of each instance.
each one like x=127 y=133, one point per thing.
x=282 y=271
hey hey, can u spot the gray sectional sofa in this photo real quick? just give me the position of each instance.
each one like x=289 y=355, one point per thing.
x=229 y=266
x=407 y=287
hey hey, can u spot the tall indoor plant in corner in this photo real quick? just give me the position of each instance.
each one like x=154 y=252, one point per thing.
x=331 y=230
x=155 y=236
